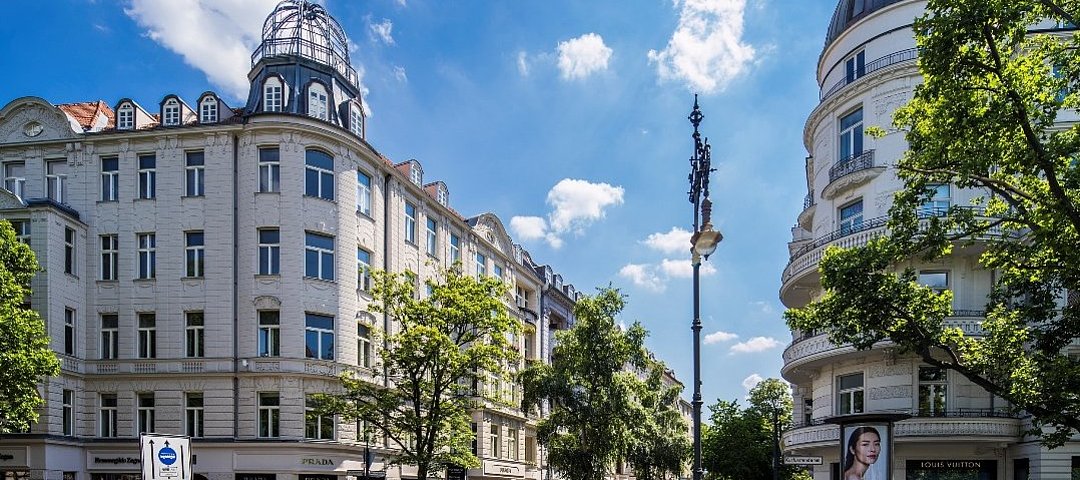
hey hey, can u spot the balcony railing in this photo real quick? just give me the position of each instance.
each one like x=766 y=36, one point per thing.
x=852 y=164
x=888 y=60
x=808 y=201
x=320 y=53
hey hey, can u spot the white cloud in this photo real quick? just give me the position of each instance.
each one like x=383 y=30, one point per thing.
x=583 y=56
x=400 y=2
x=706 y=50
x=718 y=337
x=643 y=276
x=399 y=74
x=673 y=242
x=684 y=269
x=752 y=381
x=382 y=31
x=765 y=308
x=214 y=36
x=528 y=228
x=756 y=344
x=523 y=63
x=579 y=203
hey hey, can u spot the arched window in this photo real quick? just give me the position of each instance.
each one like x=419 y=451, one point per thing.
x=356 y=120
x=170 y=114
x=208 y=110
x=317 y=102
x=125 y=117
x=416 y=174
x=272 y=99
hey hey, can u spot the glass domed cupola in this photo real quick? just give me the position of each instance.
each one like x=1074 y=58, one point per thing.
x=302 y=67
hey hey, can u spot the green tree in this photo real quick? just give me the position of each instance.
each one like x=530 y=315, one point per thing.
x=660 y=446
x=25 y=356
x=443 y=343
x=738 y=443
x=985 y=118
x=592 y=386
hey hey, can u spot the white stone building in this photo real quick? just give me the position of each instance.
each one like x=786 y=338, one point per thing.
x=866 y=71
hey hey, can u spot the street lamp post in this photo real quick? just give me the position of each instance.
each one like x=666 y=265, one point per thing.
x=702 y=244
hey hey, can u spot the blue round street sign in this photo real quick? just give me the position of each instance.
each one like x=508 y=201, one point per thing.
x=167 y=456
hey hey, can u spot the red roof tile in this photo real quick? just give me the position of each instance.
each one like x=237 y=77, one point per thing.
x=87 y=112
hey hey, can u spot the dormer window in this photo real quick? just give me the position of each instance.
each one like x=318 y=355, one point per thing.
x=125 y=117
x=317 y=102
x=416 y=174
x=170 y=115
x=208 y=110
x=272 y=95
x=441 y=195
x=356 y=120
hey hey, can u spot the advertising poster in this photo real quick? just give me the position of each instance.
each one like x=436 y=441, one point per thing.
x=865 y=454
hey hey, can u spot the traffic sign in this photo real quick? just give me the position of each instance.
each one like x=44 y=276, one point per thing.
x=802 y=460
x=165 y=457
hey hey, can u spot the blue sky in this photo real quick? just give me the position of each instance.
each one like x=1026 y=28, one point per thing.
x=565 y=118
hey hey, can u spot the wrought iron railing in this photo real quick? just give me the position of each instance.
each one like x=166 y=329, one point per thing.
x=323 y=54
x=852 y=164
x=808 y=201
x=953 y=413
x=887 y=60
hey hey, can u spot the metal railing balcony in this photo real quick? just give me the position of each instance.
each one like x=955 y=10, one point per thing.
x=852 y=164
x=886 y=61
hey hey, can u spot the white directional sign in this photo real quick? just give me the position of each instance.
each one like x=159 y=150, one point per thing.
x=802 y=460
x=165 y=457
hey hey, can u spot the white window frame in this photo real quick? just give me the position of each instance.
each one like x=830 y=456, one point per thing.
x=363 y=193
x=363 y=344
x=939 y=202
x=497 y=270
x=269 y=343
x=22 y=230
x=851 y=142
x=852 y=222
x=363 y=269
x=208 y=110
x=110 y=336
x=195 y=254
x=170 y=113
x=107 y=423
x=494 y=442
x=937 y=390
x=195 y=334
x=356 y=120
x=925 y=279
x=70 y=259
x=318 y=101
x=481 y=265
x=512 y=444
x=273 y=101
x=416 y=173
x=269 y=415
x=324 y=256
x=410 y=223
x=194 y=414
x=455 y=248
x=147 y=267
x=145 y=415
x=146 y=347
x=855 y=66
x=195 y=173
x=316 y=426
x=321 y=334
x=15 y=178
x=322 y=174
x=55 y=180
x=269 y=251
x=110 y=178
x=441 y=195
x=147 y=176
x=125 y=117
x=432 y=237
x=70 y=332
x=269 y=169
x=851 y=393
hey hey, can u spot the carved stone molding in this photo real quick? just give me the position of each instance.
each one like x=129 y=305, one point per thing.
x=897 y=391
x=889 y=371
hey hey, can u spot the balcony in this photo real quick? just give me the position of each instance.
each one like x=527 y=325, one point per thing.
x=970 y=424
x=855 y=163
x=886 y=61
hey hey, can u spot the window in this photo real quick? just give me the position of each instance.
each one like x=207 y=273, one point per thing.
x=481 y=266
x=938 y=203
x=269 y=251
x=319 y=176
x=498 y=271
x=851 y=136
x=272 y=100
x=147 y=176
x=938 y=281
x=530 y=449
x=69 y=331
x=474 y=439
x=522 y=297
x=933 y=385
x=195 y=253
x=808 y=411
x=455 y=248
x=363 y=344
x=147 y=255
x=512 y=444
x=171 y=114
x=855 y=67
x=269 y=415
x=363 y=193
x=363 y=269
x=15 y=178
x=441 y=195
x=432 y=245
x=208 y=110
x=69 y=251
x=269 y=333
x=110 y=336
x=195 y=174
x=494 y=442
x=269 y=169
x=195 y=335
x=193 y=414
x=319 y=256
x=317 y=101
x=146 y=413
x=319 y=337
x=851 y=218
x=318 y=427
x=147 y=335
x=56 y=180
x=69 y=413
x=410 y=223
x=125 y=117
x=107 y=415
x=416 y=174
x=850 y=391
x=110 y=178
x=22 y=230
x=356 y=120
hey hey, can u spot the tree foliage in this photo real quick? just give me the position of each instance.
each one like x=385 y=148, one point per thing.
x=601 y=410
x=996 y=113
x=443 y=343
x=25 y=356
x=737 y=443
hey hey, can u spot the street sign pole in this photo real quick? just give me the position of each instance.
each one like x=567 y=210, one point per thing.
x=165 y=457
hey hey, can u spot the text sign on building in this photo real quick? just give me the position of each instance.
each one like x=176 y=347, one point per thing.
x=802 y=460
x=165 y=457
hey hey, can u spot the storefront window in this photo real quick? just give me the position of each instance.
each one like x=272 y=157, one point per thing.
x=952 y=469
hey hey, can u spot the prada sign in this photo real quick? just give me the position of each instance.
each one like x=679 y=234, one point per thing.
x=500 y=469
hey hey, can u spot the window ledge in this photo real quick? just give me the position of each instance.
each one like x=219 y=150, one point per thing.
x=144 y=199
x=330 y=200
x=107 y=201
x=145 y=280
x=320 y=280
x=368 y=216
x=268 y=192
